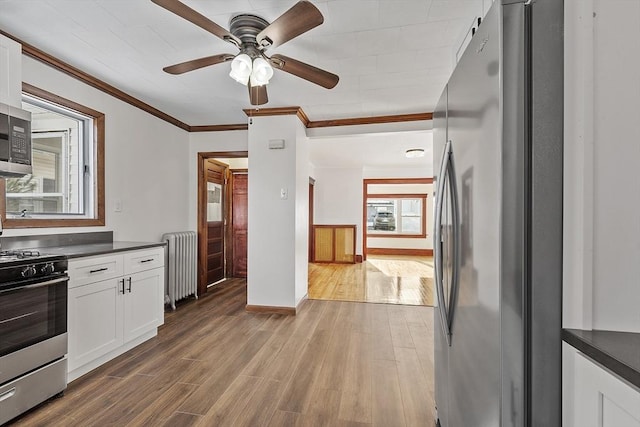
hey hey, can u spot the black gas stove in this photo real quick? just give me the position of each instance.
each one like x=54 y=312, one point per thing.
x=17 y=266
x=33 y=329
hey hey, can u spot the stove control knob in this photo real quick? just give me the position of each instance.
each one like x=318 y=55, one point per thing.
x=48 y=268
x=29 y=271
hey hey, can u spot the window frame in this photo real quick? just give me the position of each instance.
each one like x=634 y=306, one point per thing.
x=98 y=174
x=423 y=226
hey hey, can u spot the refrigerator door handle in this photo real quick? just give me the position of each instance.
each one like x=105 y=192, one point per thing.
x=455 y=231
x=437 y=243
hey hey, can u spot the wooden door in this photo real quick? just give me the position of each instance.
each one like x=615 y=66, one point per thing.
x=212 y=224
x=239 y=215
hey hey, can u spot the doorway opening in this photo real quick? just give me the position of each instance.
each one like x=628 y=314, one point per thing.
x=397 y=264
x=222 y=217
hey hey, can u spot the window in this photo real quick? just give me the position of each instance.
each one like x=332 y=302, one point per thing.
x=396 y=215
x=66 y=186
x=396 y=207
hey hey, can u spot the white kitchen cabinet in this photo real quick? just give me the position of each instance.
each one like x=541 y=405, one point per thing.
x=594 y=397
x=141 y=316
x=116 y=302
x=95 y=321
x=10 y=72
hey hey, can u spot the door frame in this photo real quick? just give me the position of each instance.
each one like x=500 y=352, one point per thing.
x=202 y=213
x=312 y=185
x=365 y=193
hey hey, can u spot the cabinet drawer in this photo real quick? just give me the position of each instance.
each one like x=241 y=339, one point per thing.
x=143 y=260
x=94 y=269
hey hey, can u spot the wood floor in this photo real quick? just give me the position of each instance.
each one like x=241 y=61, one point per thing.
x=380 y=279
x=213 y=364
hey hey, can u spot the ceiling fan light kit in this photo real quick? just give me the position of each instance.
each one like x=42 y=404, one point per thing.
x=241 y=68
x=261 y=72
x=253 y=35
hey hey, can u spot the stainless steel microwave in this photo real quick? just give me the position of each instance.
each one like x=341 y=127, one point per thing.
x=15 y=141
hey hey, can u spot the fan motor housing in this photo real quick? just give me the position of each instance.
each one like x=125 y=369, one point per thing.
x=246 y=27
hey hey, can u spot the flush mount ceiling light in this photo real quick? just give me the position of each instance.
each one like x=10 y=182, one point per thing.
x=413 y=153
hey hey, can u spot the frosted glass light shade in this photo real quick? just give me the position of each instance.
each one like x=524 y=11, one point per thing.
x=241 y=68
x=414 y=153
x=261 y=73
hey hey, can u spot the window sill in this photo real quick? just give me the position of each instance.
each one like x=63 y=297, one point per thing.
x=50 y=223
x=403 y=236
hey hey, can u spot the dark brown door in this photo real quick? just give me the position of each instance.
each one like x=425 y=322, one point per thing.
x=239 y=208
x=213 y=196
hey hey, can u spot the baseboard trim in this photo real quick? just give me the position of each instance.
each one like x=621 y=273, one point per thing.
x=289 y=311
x=394 y=251
x=302 y=302
x=358 y=258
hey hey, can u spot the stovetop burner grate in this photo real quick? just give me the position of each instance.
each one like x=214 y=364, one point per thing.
x=19 y=254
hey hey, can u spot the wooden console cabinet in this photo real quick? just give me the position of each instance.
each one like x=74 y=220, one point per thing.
x=334 y=243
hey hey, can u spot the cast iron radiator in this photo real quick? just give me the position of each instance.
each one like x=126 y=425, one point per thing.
x=181 y=266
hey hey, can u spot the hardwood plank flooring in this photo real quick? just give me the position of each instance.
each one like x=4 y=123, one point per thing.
x=213 y=364
x=379 y=279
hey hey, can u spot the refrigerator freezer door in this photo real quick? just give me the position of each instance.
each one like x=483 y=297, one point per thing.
x=441 y=339
x=474 y=128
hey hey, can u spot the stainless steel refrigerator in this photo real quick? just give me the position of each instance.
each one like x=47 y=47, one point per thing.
x=498 y=223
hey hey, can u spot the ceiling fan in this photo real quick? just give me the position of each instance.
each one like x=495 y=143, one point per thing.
x=253 y=35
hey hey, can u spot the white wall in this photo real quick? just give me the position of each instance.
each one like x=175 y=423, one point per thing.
x=277 y=245
x=602 y=195
x=338 y=198
x=303 y=171
x=145 y=162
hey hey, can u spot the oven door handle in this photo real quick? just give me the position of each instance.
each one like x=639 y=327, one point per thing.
x=7 y=394
x=38 y=285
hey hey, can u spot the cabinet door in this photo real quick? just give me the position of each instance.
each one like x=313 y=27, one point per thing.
x=143 y=302
x=594 y=397
x=10 y=72
x=95 y=321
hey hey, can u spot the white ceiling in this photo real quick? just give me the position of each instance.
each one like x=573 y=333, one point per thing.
x=373 y=151
x=393 y=57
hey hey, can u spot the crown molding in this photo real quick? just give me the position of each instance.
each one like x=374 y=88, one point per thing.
x=279 y=111
x=92 y=81
x=371 y=120
x=218 y=128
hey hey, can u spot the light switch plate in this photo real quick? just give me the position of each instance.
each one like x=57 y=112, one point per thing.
x=284 y=194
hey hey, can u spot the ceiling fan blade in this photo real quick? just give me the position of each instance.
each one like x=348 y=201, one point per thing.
x=302 y=17
x=200 y=20
x=258 y=94
x=305 y=71
x=194 y=64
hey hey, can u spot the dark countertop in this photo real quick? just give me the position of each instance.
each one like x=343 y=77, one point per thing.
x=617 y=351
x=90 y=249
